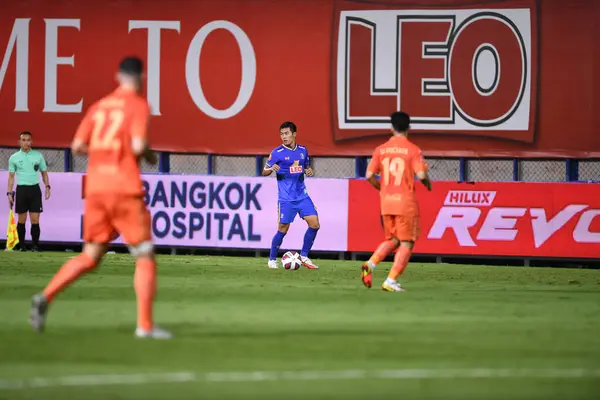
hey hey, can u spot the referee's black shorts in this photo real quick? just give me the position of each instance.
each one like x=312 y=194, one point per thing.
x=28 y=199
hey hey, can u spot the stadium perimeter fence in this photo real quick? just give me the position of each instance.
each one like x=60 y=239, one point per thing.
x=441 y=169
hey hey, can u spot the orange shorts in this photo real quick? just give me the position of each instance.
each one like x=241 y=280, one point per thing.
x=403 y=228
x=108 y=214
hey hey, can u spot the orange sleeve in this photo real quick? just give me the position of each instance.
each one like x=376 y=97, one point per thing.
x=140 y=120
x=418 y=162
x=375 y=164
x=84 y=130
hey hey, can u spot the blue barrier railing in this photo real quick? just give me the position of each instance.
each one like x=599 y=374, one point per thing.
x=572 y=170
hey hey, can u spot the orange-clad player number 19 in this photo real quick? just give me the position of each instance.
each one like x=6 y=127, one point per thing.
x=397 y=161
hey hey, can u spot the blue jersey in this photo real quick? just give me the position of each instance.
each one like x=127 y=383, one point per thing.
x=290 y=177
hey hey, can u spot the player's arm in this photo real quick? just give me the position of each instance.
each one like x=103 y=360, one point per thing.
x=11 y=181
x=373 y=169
x=139 y=135
x=266 y=171
x=422 y=170
x=45 y=178
x=79 y=145
x=271 y=165
x=12 y=167
x=424 y=178
x=308 y=171
x=142 y=150
x=373 y=180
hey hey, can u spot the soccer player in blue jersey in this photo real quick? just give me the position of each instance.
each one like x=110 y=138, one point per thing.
x=290 y=163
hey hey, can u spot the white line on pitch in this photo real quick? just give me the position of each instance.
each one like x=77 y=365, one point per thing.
x=257 y=376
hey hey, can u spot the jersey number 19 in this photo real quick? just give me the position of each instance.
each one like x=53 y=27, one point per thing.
x=395 y=167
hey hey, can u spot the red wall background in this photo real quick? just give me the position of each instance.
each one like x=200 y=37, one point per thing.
x=294 y=44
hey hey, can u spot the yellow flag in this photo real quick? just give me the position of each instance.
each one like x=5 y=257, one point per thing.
x=12 y=237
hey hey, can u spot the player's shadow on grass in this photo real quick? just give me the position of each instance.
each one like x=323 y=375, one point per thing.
x=196 y=330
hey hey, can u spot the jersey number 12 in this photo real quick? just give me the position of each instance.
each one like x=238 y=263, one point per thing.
x=106 y=126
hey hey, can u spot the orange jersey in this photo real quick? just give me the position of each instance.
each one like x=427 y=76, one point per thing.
x=397 y=161
x=108 y=128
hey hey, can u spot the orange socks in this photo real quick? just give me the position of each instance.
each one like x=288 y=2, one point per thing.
x=144 y=282
x=382 y=252
x=70 y=271
x=400 y=262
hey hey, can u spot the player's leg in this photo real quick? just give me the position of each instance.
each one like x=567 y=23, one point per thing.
x=132 y=219
x=285 y=216
x=388 y=245
x=400 y=262
x=144 y=282
x=407 y=229
x=96 y=232
x=21 y=209
x=86 y=261
x=308 y=212
x=282 y=230
x=71 y=270
x=21 y=231
x=385 y=248
x=34 y=217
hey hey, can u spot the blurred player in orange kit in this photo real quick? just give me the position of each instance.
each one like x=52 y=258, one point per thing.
x=113 y=134
x=397 y=161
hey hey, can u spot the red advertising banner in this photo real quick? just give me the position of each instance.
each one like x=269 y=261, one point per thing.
x=480 y=78
x=502 y=219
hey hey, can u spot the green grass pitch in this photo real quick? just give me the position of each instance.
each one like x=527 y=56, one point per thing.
x=244 y=331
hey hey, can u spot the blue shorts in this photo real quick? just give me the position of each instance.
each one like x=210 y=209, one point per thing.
x=288 y=209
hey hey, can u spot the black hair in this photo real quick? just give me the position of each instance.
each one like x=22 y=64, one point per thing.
x=400 y=121
x=25 y=133
x=131 y=66
x=288 y=124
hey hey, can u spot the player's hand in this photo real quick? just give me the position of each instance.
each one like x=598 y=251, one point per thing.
x=11 y=200
x=47 y=194
x=275 y=168
x=309 y=171
x=427 y=184
x=150 y=156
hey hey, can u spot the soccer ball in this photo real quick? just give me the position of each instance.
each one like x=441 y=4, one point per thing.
x=291 y=260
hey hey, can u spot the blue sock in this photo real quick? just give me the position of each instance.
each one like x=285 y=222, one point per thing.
x=277 y=240
x=309 y=239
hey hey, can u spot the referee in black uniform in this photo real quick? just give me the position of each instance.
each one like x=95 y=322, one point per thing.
x=27 y=164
